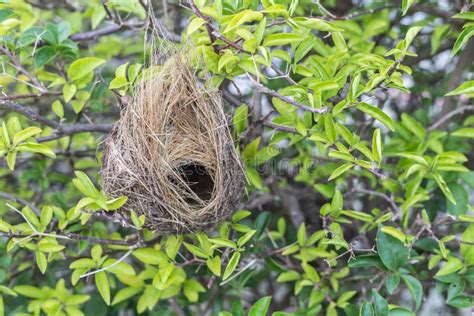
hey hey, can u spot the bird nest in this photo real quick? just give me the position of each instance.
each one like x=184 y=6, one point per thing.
x=172 y=155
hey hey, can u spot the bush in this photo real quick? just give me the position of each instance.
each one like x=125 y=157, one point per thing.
x=352 y=122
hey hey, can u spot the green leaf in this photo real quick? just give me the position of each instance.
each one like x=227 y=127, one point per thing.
x=406 y=4
x=466 y=132
x=391 y=251
x=301 y=234
x=377 y=146
x=214 y=264
x=121 y=268
x=460 y=301
x=317 y=24
x=102 y=284
x=366 y=309
x=359 y=215
x=232 y=265
x=116 y=203
x=30 y=291
x=82 y=67
x=245 y=238
x=444 y=187
x=380 y=304
x=58 y=109
x=6 y=14
x=50 y=247
x=392 y=231
x=149 y=255
x=44 y=55
x=366 y=261
x=467 y=250
x=465 y=88
x=25 y=134
x=392 y=283
x=194 y=25
x=31 y=216
x=41 y=261
x=462 y=200
x=69 y=91
x=377 y=114
x=330 y=128
x=198 y=252
x=85 y=185
x=413 y=126
x=241 y=18
x=464 y=15
x=340 y=170
x=280 y=39
x=124 y=294
x=260 y=308
x=452 y=265
x=82 y=263
x=415 y=288
x=11 y=160
x=240 y=119
x=37 y=148
x=463 y=38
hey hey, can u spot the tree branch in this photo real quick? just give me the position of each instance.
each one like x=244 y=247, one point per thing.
x=449 y=115
x=19 y=200
x=18 y=108
x=94 y=34
x=67 y=130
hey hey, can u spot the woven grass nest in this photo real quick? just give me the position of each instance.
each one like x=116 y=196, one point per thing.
x=172 y=154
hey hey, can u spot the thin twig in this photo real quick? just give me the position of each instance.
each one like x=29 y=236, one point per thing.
x=286 y=99
x=449 y=115
x=122 y=258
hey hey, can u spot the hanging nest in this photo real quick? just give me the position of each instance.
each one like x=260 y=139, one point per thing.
x=172 y=154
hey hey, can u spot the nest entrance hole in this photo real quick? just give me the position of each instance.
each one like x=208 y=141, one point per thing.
x=199 y=180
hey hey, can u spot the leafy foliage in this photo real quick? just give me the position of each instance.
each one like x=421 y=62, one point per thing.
x=347 y=117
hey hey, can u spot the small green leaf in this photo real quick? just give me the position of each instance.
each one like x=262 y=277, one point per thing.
x=377 y=146
x=452 y=265
x=466 y=132
x=444 y=187
x=149 y=255
x=392 y=231
x=280 y=39
x=25 y=134
x=44 y=55
x=463 y=38
x=377 y=114
x=340 y=170
x=392 y=251
x=50 y=247
x=102 y=284
x=82 y=67
x=260 y=308
x=415 y=288
x=194 y=25
x=11 y=160
x=58 y=108
x=69 y=91
x=41 y=261
x=406 y=4
x=196 y=251
x=37 y=148
x=380 y=304
x=124 y=294
x=240 y=118
x=232 y=265
x=214 y=264
x=392 y=282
